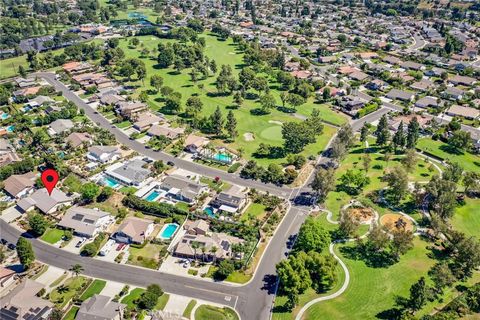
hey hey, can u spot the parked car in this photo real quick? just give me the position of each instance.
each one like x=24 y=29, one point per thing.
x=11 y=246
x=3 y=241
x=80 y=242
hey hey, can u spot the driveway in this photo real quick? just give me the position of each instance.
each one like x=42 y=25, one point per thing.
x=177 y=304
x=10 y=214
x=112 y=254
x=70 y=247
x=112 y=288
x=52 y=274
x=173 y=265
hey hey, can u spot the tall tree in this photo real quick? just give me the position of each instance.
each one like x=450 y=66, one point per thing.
x=312 y=236
x=231 y=125
x=382 y=133
x=156 y=81
x=410 y=160
x=364 y=132
x=397 y=181
x=193 y=106
x=37 y=224
x=76 y=269
x=413 y=133
x=296 y=136
x=217 y=121
x=323 y=182
x=25 y=252
x=399 y=139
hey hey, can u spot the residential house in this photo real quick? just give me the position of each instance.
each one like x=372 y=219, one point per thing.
x=129 y=109
x=111 y=99
x=25 y=83
x=103 y=154
x=27 y=91
x=194 y=143
x=358 y=75
x=453 y=93
x=20 y=185
x=422 y=85
x=428 y=102
x=165 y=130
x=231 y=201
x=22 y=303
x=211 y=246
x=396 y=94
x=145 y=120
x=39 y=101
x=100 y=307
x=199 y=226
x=44 y=202
x=183 y=189
x=59 y=126
x=462 y=80
x=130 y=173
x=463 y=111
x=410 y=65
x=8 y=157
x=86 y=222
x=423 y=121
x=377 y=84
x=7 y=278
x=133 y=230
x=434 y=72
x=351 y=104
x=79 y=139
x=76 y=67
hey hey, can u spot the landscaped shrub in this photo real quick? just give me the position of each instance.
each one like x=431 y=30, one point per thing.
x=154 y=208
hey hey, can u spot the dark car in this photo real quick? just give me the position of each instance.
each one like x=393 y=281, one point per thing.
x=3 y=241
x=11 y=246
x=170 y=163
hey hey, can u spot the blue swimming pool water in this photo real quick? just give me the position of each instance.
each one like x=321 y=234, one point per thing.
x=10 y=128
x=222 y=157
x=152 y=196
x=169 y=230
x=4 y=116
x=110 y=182
x=209 y=212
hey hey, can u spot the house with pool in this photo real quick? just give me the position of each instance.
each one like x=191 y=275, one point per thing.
x=211 y=245
x=130 y=173
x=181 y=188
x=232 y=201
x=134 y=230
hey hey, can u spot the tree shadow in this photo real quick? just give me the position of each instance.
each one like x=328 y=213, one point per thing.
x=286 y=109
x=258 y=112
x=269 y=283
x=217 y=94
x=390 y=314
x=251 y=96
x=372 y=258
x=449 y=149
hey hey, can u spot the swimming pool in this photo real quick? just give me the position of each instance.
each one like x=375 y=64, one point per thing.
x=109 y=182
x=223 y=157
x=4 y=116
x=10 y=128
x=152 y=196
x=168 y=230
x=209 y=212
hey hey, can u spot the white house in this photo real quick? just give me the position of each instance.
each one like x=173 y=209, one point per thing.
x=103 y=154
x=86 y=222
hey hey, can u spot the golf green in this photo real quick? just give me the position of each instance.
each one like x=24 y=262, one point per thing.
x=273 y=133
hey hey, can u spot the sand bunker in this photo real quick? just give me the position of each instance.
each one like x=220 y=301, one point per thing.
x=248 y=136
x=394 y=221
x=275 y=122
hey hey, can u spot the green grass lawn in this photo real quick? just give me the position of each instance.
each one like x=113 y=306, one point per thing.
x=354 y=161
x=253 y=212
x=265 y=128
x=72 y=313
x=124 y=124
x=132 y=296
x=72 y=286
x=182 y=205
x=147 y=257
x=72 y=182
x=467 y=218
x=95 y=288
x=52 y=235
x=207 y=312
x=188 y=310
x=467 y=160
x=372 y=290
x=162 y=301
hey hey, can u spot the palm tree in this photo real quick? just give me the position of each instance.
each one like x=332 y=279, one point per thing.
x=213 y=250
x=195 y=246
x=76 y=269
x=203 y=253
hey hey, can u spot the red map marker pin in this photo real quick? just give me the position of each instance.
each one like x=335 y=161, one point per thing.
x=49 y=179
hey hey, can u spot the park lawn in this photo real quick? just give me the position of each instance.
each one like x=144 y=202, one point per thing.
x=354 y=161
x=73 y=286
x=72 y=313
x=467 y=218
x=468 y=161
x=162 y=301
x=147 y=257
x=52 y=235
x=95 y=288
x=132 y=296
x=207 y=312
x=373 y=290
x=253 y=212
x=264 y=128
x=188 y=310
